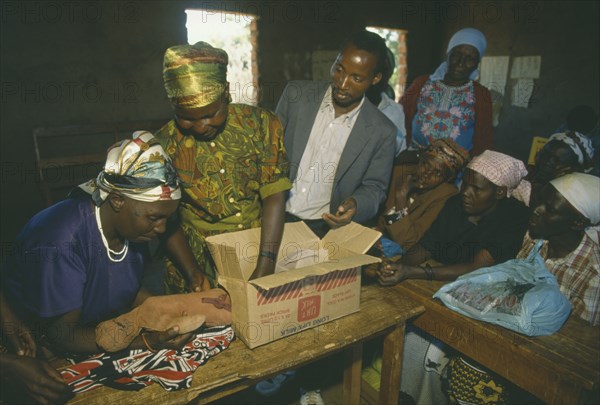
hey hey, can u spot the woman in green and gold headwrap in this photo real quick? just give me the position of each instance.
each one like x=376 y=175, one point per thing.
x=231 y=160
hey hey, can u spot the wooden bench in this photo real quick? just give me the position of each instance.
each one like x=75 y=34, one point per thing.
x=383 y=311
x=68 y=156
x=562 y=369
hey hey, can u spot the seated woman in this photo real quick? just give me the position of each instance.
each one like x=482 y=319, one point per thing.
x=450 y=103
x=80 y=261
x=479 y=227
x=417 y=196
x=584 y=119
x=565 y=152
x=569 y=205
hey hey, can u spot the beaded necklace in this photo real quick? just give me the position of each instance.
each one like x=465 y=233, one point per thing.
x=109 y=251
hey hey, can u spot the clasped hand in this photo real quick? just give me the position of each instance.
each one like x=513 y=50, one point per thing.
x=390 y=274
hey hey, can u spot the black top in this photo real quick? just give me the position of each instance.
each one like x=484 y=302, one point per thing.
x=454 y=239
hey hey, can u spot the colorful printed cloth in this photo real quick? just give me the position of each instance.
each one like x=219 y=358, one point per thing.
x=467 y=385
x=580 y=144
x=137 y=168
x=133 y=370
x=445 y=112
x=225 y=179
x=452 y=155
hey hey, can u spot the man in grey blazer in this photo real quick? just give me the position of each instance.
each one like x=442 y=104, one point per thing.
x=340 y=146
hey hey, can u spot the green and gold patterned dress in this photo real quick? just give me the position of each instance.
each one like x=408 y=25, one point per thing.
x=224 y=180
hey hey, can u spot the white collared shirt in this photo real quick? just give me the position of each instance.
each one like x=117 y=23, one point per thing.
x=311 y=192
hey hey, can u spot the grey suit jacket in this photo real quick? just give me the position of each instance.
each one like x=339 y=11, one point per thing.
x=366 y=162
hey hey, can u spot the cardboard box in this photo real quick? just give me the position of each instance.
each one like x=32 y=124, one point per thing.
x=316 y=281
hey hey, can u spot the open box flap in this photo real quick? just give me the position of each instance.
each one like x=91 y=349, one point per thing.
x=235 y=253
x=288 y=276
x=226 y=260
x=353 y=237
x=294 y=234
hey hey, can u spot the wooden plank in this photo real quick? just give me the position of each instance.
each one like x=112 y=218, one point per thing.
x=99 y=128
x=555 y=368
x=79 y=160
x=352 y=375
x=381 y=310
x=61 y=151
x=368 y=394
x=391 y=369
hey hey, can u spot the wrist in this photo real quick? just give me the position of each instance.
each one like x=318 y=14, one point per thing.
x=146 y=341
x=271 y=256
x=194 y=273
x=428 y=271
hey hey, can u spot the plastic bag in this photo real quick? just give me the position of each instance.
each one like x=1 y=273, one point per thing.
x=520 y=294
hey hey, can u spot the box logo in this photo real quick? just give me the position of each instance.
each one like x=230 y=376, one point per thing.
x=309 y=308
x=306 y=286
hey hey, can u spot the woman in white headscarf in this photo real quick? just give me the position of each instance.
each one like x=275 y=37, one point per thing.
x=450 y=103
x=568 y=207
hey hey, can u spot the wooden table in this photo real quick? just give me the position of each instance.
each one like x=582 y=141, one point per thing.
x=563 y=368
x=383 y=311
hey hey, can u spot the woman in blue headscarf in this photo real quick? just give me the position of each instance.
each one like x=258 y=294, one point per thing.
x=450 y=103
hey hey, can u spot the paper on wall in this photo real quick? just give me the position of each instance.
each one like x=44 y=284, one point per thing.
x=526 y=67
x=493 y=72
x=521 y=92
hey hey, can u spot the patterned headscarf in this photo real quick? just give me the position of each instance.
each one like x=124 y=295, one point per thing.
x=137 y=168
x=583 y=192
x=195 y=75
x=502 y=170
x=580 y=144
x=466 y=36
x=450 y=153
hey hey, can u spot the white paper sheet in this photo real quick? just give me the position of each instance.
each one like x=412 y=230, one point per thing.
x=493 y=72
x=521 y=92
x=526 y=67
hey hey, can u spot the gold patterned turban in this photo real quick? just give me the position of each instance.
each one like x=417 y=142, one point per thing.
x=195 y=75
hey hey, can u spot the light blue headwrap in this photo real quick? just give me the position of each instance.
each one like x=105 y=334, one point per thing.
x=466 y=36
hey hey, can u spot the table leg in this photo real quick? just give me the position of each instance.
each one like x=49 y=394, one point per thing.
x=391 y=367
x=352 y=375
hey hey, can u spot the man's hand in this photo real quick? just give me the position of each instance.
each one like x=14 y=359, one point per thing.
x=40 y=381
x=344 y=214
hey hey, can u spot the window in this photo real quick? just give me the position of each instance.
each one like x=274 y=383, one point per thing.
x=396 y=42
x=236 y=34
